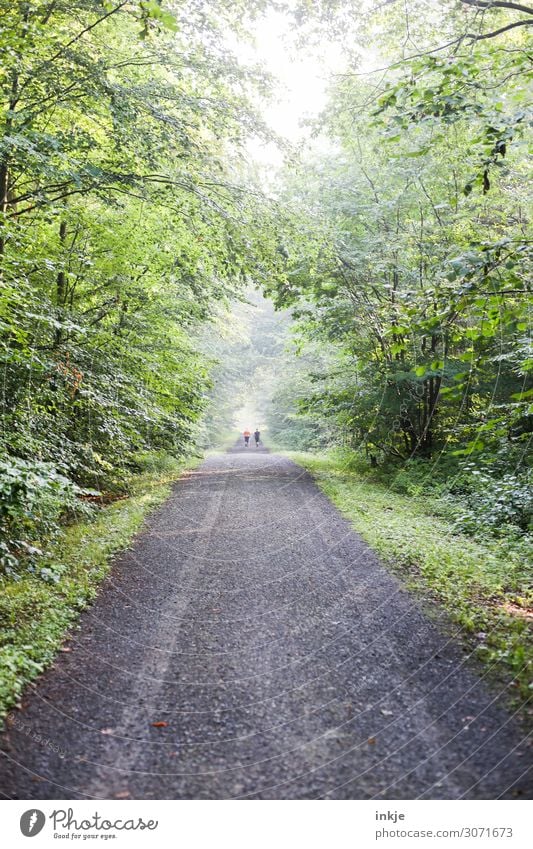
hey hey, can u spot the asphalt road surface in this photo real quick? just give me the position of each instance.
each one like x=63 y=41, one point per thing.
x=249 y=644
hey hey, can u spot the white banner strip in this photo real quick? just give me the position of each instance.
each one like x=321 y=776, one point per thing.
x=268 y=824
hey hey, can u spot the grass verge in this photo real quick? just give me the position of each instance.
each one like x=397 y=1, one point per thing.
x=35 y=614
x=480 y=583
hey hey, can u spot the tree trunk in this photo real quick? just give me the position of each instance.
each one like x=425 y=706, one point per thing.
x=61 y=285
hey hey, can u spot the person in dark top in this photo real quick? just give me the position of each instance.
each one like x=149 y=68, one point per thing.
x=257 y=437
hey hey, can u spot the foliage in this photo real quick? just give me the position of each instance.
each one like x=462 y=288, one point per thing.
x=488 y=497
x=502 y=506
x=34 y=498
x=420 y=267
x=126 y=216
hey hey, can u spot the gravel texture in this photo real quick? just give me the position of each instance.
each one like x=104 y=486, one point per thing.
x=249 y=644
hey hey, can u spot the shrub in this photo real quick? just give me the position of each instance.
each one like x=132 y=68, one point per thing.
x=34 y=497
x=497 y=504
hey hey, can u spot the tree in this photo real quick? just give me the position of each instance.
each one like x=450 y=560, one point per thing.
x=126 y=214
x=419 y=302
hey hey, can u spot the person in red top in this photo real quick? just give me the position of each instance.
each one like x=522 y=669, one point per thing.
x=246 y=435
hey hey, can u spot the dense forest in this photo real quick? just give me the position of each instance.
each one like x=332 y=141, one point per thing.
x=136 y=232
x=412 y=301
x=125 y=218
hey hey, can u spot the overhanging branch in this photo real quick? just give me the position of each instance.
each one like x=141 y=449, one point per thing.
x=473 y=37
x=498 y=4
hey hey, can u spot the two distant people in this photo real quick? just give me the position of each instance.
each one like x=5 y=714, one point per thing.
x=257 y=436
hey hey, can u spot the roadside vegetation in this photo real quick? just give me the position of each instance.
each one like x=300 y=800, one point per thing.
x=37 y=610
x=126 y=223
x=479 y=579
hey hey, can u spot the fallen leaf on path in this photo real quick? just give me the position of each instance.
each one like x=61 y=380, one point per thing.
x=371 y=740
x=159 y=724
x=65 y=648
x=107 y=730
x=122 y=795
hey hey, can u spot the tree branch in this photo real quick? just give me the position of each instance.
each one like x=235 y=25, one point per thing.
x=72 y=41
x=470 y=36
x=82 y=32
x=473 y=37
x=498 y=4
x=48 y=14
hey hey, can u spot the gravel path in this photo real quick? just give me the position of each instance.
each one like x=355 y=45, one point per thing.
x=251 y=645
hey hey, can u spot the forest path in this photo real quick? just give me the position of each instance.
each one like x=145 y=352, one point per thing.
x=251 y=645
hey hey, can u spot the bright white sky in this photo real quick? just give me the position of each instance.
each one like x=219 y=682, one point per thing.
x=303 y=80
x=303 y=77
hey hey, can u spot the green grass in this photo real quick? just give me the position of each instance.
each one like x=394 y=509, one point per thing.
x=477 y=581
x=35 y=615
